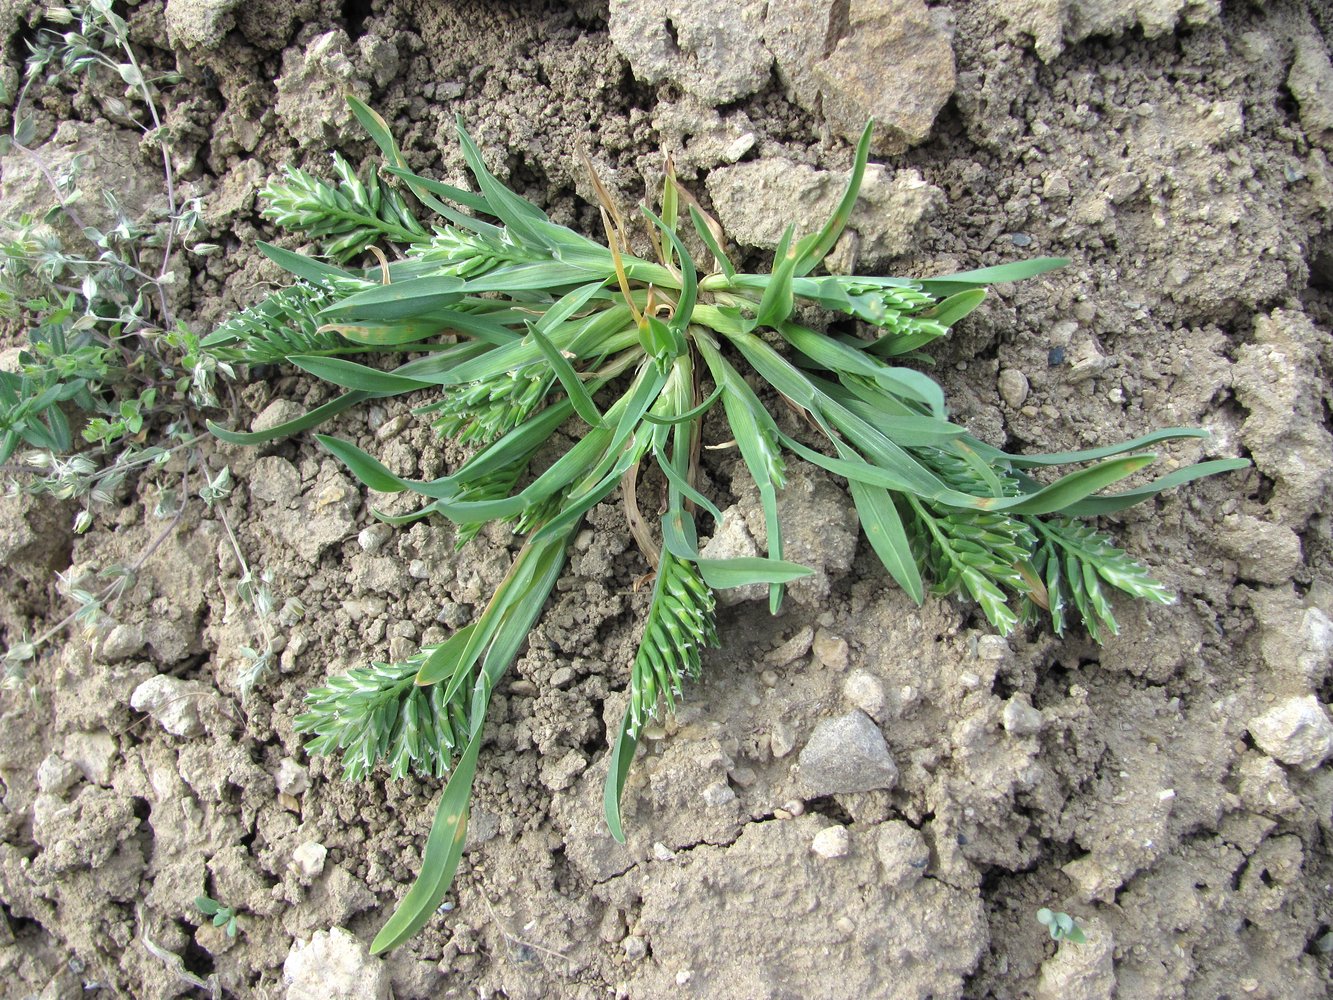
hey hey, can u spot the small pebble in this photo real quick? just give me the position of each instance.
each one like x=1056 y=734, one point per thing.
x=782 y=740
x=1020 y=239
x=832 y=842
x=793 y=649
x=832 y=651
x=683 y=977
x=864 y=690
x=796 y=807
x=1013 y=386
x=372 y=538
x=663 y=853
x=993 y=647
x=309 y=858
x=292 y=778
x=635 y=947
x=1020 y=718
x=769 y=678
x=719 y=793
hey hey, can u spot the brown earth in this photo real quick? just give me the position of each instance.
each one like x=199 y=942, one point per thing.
x=1165 y=789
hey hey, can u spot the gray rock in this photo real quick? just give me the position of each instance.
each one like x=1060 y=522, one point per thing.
x=1311 y=83
x=93 y=754
x=847 y=754
x=56 y=776
x=733 y=540
x=896 y=66
x=1295 y=732
x=1013 y=386
x=756 y=201
x=334 y=965
x=172 y=702
x=308 y=859
x=866 y=691
x=121 y=643
x=716 y=58
x=831 y=650
x=200 y=24
x=1020 y=718
x=292 y=778
x=719 y=793
x=832 y=842
x=280 y=411
x=902 y=852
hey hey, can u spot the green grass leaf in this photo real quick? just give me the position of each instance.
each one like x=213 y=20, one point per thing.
x=724 y=574
x=818 y=247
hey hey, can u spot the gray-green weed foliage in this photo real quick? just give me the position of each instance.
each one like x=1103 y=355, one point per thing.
x=519 y=326
x=102 y=341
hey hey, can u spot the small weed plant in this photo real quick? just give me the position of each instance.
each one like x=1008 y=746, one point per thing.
x=519 y=327
x=1062 y=926
x=108 y=382
x=219 y=915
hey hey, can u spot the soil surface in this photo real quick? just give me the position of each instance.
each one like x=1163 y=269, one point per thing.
x=1165 y=789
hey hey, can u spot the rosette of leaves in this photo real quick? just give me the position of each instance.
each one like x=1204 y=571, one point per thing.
x=518 y=326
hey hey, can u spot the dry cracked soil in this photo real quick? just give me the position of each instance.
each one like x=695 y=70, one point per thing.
x=861 y=798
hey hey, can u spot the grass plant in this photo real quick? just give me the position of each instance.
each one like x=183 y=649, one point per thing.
x=509 y=326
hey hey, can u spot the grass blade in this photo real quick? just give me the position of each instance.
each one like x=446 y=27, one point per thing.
x=883 y=527
x=444 y=850
x=314 y=271
x=723 y=574
x=313 y=418
x=819 y=247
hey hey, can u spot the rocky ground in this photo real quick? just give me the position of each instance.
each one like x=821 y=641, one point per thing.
x=861 y=798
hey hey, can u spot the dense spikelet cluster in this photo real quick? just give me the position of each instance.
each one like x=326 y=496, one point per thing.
x=379 y=713
x=347 y=216
x=680 y=624
x=284 y=324
x=483 y=411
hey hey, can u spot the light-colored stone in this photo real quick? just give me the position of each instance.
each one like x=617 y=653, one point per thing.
x=902 y=852
x=733 y=540
x=832 y=842
x=278 y=412
x=756 y=201
x=1020 y=718
x=309 y=859
x=292 y=778
x=866 y=691
x=173 y=703
x=94 y=754
x=793 y=649
x=719 y=793
x=1013 y=386
x=717 y=57
x=831 y=650
x=895 y=65
x=1296 y=732
x=121 y=643
x=334 y=965
x=56 y=776
x=847 y=754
